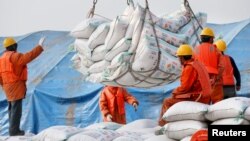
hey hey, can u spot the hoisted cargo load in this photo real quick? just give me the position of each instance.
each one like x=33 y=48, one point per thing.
x=137 y=48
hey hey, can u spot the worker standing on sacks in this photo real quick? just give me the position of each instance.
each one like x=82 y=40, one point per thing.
x=230 y=72
x=211 y=57
x=13 y=77
x=194 y=82
x=112 y=104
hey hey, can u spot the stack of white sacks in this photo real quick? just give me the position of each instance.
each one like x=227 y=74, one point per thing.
x=187 y=117
x=184 y=119
x=130 y=51
x=139 y=130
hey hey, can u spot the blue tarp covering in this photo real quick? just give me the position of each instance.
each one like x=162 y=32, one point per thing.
x=58 y=95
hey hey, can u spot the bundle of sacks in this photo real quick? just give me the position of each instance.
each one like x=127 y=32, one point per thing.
x=135 y=49
x=184 y=119
x=232 y=111
x=138 y=130
x=184 y=122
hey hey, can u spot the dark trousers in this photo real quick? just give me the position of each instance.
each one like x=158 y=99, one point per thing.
x=229 y=91
x=15 y=113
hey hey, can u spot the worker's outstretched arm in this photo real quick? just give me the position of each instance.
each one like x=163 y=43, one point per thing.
x=129 y=98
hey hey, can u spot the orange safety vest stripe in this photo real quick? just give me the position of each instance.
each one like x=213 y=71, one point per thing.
x=208 y=55
x=7 y=69
x=228 y=74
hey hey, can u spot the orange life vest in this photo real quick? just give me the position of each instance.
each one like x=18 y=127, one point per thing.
x=228 y=74
x=207 y=54
x=7 y=69
x=203 y=79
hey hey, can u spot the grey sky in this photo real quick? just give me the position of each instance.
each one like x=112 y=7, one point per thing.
x=19 y=17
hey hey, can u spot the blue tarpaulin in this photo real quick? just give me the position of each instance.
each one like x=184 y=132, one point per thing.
x=58 y=95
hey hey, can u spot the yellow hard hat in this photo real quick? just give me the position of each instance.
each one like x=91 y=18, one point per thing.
x=8 y=42
x=207 y=32
x=184 y=50
x=221 y=45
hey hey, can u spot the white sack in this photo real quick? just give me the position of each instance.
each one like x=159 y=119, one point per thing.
x=15 y=138
x=77 y=64
x=117 y=31
x=56 y=133
x=129 y=138
x=148 y=79
x=228 y=108
x=104 y=125
x=86 y=27
x=95 y=135
x=192 y=26
x=188 y=138
x=122 y=46
x=81 y=46
x=231 y=121
x=186 y=110
x=146 y=59
x=247 y=113
x=174 y=21
x=85 y=61
x=137 y=15
x=119 y=66
x=170 y=37
x=95 y=77
x=99 y=35
x=98 y=53
x=128 y=12
x=127 y=79
x=139 y=124
x=181 y=129
x=170 y=65
x=98 y=67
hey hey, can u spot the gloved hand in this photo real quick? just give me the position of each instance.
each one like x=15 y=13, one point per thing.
x=135 y=106
x=41 y=41
x=237 y=88
x=109 y=118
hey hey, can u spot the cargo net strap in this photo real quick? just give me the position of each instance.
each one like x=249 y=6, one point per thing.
x=188 y=8
x=152 y=23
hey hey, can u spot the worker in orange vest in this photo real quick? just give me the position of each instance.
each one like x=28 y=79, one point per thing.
x=211 y=57
x=112 y=104
x=13 y=77
x=230 y=72
x=191 y=88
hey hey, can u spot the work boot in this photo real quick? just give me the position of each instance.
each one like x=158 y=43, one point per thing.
x=20 y=133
